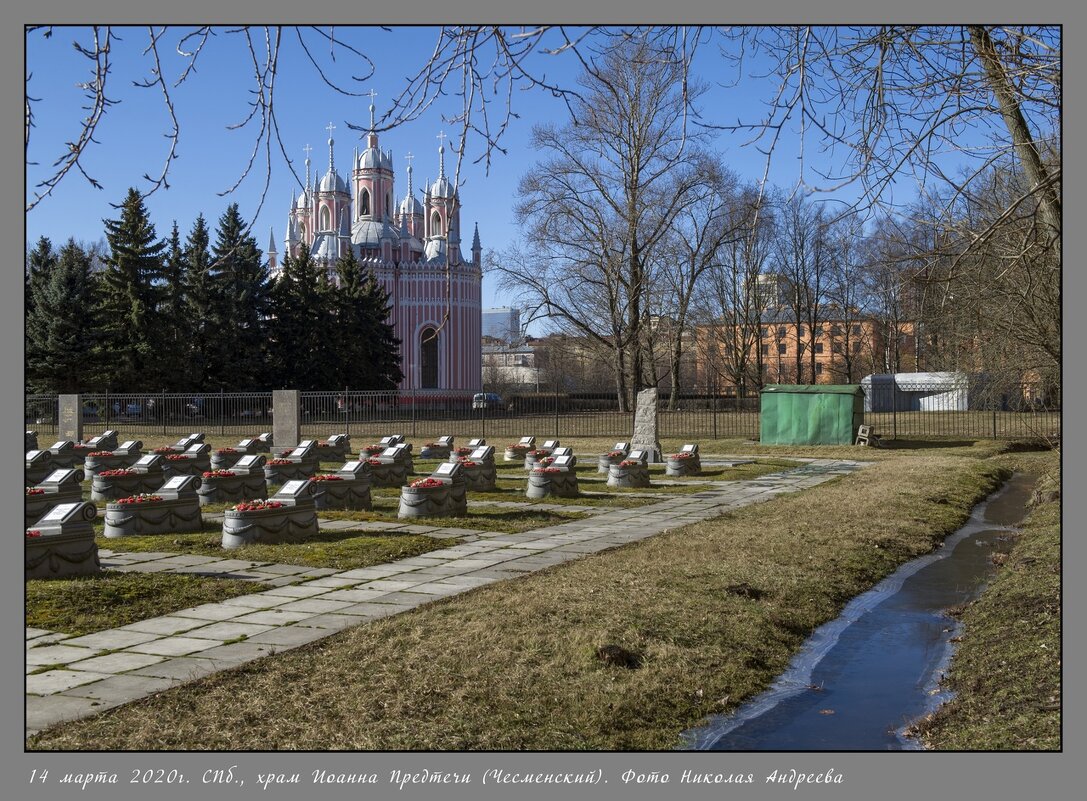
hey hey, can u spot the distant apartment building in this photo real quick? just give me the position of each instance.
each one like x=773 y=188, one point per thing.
x=503 y=324
x=845 y=348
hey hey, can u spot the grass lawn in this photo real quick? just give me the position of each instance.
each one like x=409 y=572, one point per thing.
x=344 y=550
x=1006 y=671
x=92 y=603
x=715 y=610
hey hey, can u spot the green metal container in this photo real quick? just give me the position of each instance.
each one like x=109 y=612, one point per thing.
x=820 y=414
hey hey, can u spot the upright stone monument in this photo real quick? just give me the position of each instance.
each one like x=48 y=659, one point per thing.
x=645 y=426
x=71 y=418
x=286 y=417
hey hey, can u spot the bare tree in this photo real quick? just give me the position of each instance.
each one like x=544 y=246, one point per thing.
x=730 y=303
x=596 y=209
x=693 y=246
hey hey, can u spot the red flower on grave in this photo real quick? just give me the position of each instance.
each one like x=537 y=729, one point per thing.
x=120 y=471
x=219 y=474
x=374 y=461
x=540 y=453
x=545 y=461
x=463 y=451
x=279 y=462
x=177 y=457
x=547 y=470
x=684 y=455
x=286 y=452
x=100 y=453
x=164 y=449
x=328 y=477
x=467 y=463
x=615 y=454
x=141 y=498
x=426 y=483
x=629 y=463
x=223 y=451
x=256 y=506
x=32 y=532
x=34 y=491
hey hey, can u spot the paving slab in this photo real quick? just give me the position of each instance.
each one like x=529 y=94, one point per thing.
x=112 y=639
x=183 y=669
x=117 y=662
x=163 y=626
x=55 y=681
x=292 y=636
x=173 y=646
x=121 y=689
x=58 y=654
x=228 y=630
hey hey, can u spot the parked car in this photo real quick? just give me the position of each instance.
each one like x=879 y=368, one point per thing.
x=487 y=400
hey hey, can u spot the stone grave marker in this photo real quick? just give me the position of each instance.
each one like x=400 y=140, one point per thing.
x=62 y=543
x=645 y=425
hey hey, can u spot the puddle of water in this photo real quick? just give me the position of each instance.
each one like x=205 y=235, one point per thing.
x=861 y=678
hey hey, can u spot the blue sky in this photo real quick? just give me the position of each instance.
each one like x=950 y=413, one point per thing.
x=133 y=142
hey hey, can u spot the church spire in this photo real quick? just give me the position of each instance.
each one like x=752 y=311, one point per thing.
x=331 y=162
x=307 y=148
x=441 y=155
x=271 y=240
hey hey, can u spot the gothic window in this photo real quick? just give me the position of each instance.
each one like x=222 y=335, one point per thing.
x=364 y=203
x=428 y=358
x=436 y=224
x=326 y=218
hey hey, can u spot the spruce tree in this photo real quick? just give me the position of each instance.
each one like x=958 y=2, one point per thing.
x=60 y=329
x=203 y=308
x=367 y=352
x=131 y=332
x=173 y=315
x=39 y=262
x=300 y=333
x=245 y=288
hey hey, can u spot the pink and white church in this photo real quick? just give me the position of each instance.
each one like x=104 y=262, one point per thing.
x=413 y=250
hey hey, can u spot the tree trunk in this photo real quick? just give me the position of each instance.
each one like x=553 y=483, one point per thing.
x=1022 y=140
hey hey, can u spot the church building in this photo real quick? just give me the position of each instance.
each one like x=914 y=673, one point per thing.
x=414 y=252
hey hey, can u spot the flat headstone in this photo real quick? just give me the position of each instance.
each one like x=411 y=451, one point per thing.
x=475 y=443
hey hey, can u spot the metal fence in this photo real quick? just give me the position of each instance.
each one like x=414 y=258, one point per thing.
x=979 y=411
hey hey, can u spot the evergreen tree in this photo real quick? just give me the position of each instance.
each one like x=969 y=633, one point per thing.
x=367 y=353
x=60 y=328
x=39 y=262
x=245 y=291
x=173 y=315
x=131 y=333
x=300 y=331
x=203 y=308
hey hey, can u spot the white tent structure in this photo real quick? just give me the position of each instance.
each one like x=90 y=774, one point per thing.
x=916 y=392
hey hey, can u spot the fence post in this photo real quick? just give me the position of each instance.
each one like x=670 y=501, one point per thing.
x=483 y=416
x=163 y=411
x=894 y=407
x=556 y=414
x=107 y=409
x=413 y=412
x=994 y=419
x=714 y=397
x=347 y=411
x=222 y=413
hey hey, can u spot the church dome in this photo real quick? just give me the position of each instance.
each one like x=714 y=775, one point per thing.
x=409 y=205
x=303 y=200
x=332 y=182
x=373 y=159
x=441 y=188
x=371 y=233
